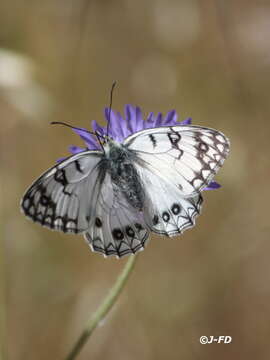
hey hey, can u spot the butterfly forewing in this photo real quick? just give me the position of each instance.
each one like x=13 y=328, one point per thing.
x=186 y=156
x=62 y=198
x=78 y=195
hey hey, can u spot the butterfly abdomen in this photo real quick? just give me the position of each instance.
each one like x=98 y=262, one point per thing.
x=125 y=176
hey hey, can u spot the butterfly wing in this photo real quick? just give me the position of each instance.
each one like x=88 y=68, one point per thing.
x=63 y=197
x=188 y=157
x=78 y=195
x=166 y=211
x=175 y=164
x=117 y=229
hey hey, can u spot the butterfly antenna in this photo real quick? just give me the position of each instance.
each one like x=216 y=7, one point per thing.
x=70 y=126
x=110 y=107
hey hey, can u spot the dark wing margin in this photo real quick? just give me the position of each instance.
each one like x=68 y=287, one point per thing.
x=60 y=199
x=166 y=211
x=186 y=156
x=117 y=229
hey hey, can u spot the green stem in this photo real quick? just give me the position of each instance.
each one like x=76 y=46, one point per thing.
x=104 y=308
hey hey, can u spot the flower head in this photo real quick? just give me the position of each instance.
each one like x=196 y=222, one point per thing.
x=121 y=127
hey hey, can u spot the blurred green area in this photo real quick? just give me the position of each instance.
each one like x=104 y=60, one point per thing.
x=208 y=60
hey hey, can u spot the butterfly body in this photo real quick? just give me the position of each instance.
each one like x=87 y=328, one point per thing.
x=120 y=165
x=151 y=181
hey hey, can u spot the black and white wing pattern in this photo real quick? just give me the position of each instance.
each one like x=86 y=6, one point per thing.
x=175 y=164
x=166 y=211
x=188 y=157
x=63 y=197
x=117 y=229
x=78 y=196
x=115 y=197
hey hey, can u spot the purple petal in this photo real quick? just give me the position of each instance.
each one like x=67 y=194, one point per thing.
x=97 y=128
x=149 y=123
x=158 y=121
x=116 y=126
x=170 y=118
x=89 y=139
x=133 y=122
x=139 y=119
x=150 y=116
x=213 y=185
x=75 y=149
x=131 y=119
x=107 y=114
x=153 y=121
x=122 y=126
x=186 y=121
x=117 y=129
x=61 y=159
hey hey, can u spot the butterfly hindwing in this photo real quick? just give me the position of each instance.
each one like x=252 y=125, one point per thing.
x=61 y=198
x=166 y=212
x=117 y=229
x=186 y=156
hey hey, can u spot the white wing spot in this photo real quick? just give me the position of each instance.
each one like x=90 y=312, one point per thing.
x=48 y=220
x=220 y=138
x=205 y=159
x=207 y=140
x=206 y=173
x=220 y=147
x=136 y=242
x=71 y=225
x=26 y=203
x=58 y=222
x=197 y=183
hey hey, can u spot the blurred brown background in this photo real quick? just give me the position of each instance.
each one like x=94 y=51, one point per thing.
x=207 y=59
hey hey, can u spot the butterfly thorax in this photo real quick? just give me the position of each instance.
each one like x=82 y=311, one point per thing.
x=120 y=165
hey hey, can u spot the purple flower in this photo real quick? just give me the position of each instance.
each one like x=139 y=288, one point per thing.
x=212 y=186
x=121 y=127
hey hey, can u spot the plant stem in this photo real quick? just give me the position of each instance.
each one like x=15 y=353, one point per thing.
x=3 y=302
x=104 y=308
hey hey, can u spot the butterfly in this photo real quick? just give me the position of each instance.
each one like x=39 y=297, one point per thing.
x=152 y=181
